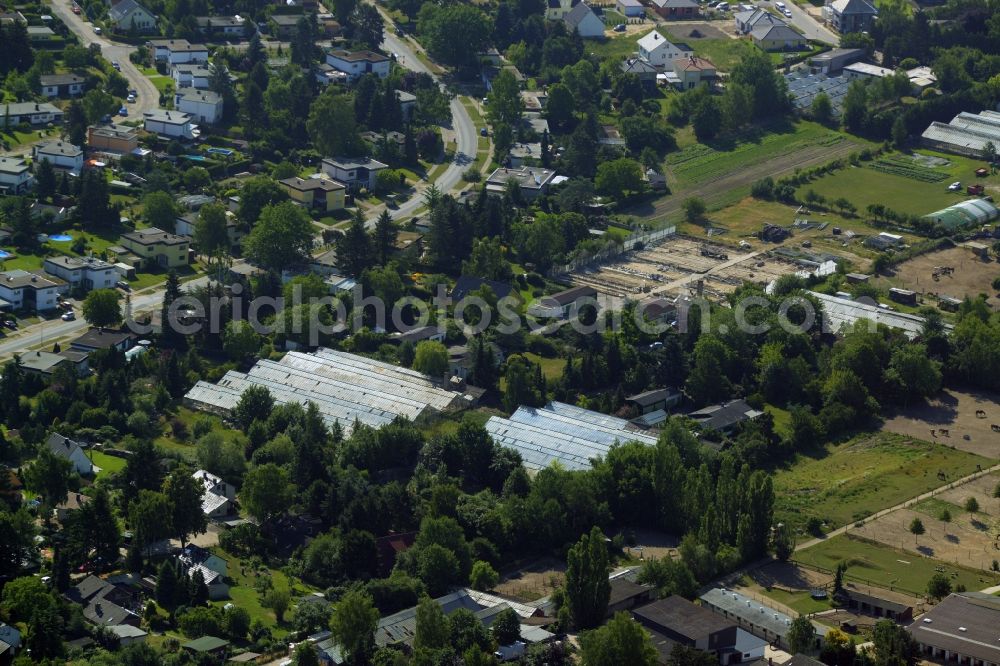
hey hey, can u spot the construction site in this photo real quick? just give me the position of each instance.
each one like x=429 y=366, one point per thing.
x=677 y=264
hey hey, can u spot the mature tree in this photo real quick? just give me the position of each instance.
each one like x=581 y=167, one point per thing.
x=525 y=383
x=784 y=543
x=916 y=528
x=694 y=210
x=17 y=546
x=801 y=635
x=367 y=25
x=892 y=645
x=76 y=123
x=821 y=109
x=768 y=87
x=621 y=641
x=354 y=247
x=255 y=403
x=618 y=178
x=384 y=237
x=49 y=476
x=939 y=586
x=669 y=577
x=483 y=577
x=211 y=233
x=488 y=260
x=854 y=110
x=282 y=236
x=506 y=627
x=706 y=119
x=184 y=494
x=431 y=358
x=159 y=210
x=278 y=600
x=503 y=103
x=239 y=340
x=972 y=505
x=431 y=626
x=353 y=625
x=94 y=201
x=148 y=517
x=101 y=308
x=257 y=193
x=560 y=108
x=441 y=25
x=45 y=179
x=100 y=526
x=332 y=125
x=266 y=491
x=305 y=655
x=220 y=456
x=587 y=586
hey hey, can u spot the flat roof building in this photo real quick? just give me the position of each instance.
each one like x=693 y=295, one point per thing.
x=532 y=181
x=962 y=629
x=840 y=312
x=760 y=620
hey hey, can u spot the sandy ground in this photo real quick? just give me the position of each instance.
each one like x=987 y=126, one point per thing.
x=972 y=275
x=534 y=581
x=789 y=576
x=653 y=544
x=956 y=412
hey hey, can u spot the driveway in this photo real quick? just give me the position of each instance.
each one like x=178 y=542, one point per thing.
x=149 y=96
x=811 y=27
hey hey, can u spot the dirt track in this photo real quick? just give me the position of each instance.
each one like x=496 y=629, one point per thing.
x=713 y=191
x=956 y=412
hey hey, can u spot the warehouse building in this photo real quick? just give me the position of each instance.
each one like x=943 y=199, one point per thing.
x=345 y=387
x=966 y=134
x=839 y=312
x=761 y=621
x=565 y=433
x=961 y=629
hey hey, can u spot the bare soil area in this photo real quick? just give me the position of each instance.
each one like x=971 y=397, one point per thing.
x=972 y=276
x=790 y=576
x=956 y=413
x=534 y=581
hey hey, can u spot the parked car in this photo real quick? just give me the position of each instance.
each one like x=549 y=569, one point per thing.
x=10 y=323
x=123 y=111
x=130 y=99
x=68 y=316
x=780 y=6
x=76 y=9
x=620 y=27
x=123 y=285
x=787 y=13
x=114 y=63
x=483 y=131
x=955 y=187
x=97 y=29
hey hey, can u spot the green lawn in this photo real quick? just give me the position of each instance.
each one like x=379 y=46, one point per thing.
x=700 y=163
x=108 y=464
x=801 y=602
x=847 y=482
x=614 y=48
x=887 y=567
x=552 y=368
x=864 y=185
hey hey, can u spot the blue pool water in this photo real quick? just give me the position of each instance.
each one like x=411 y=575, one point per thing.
x=61 y=238
x=219 y=151
x=4 y=254
x=195 y=158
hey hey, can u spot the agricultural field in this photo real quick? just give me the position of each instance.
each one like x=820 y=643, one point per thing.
x=972 y=276
x=968 y=539
x=902 y=183
x=882 y=566
x=846 y=482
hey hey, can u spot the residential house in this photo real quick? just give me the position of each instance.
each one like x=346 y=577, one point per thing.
x=170 y=124
x=74 y=502
x=677 y=621
x=532 y=181
x=725 y=416
x=777 y=38
x=283 y=25
x=98 y=338
x=693 y=71
x=191 y=75
x=15 y=175
x=60 y=154
x=354 y=173
x=749 y=20
x=656 y=399
x=67 y=449
x=218 y=498
x=641 y=69
x=202 y=105
x=212 y=568
x=676 y=9
x=105 y=603
x=40 y=33
x=30 y=292
x=128 y=634
x=30 y=113
x=659 y=52
x=85 y=273
x=50 y=213
x=316 y=192
x=754 y=616
x=227 y=27
x=630 y=8
x=846 y=16
x=556 y=9
x=467 y=284
x=583 y=21
x=45 y=364
x=129 y=16
x=184 y=225
x=407 y=103
x=177 y=51
x=328 y=25
x=113 y=138
x=961 y=629
x=62 y=85
x=564 y=303
x=208 y=648
x=521 y=153
x=390 y=546
x=327 y=74
x=358 y=63
x=10 y=18
x=10 y=642
x=157 y=247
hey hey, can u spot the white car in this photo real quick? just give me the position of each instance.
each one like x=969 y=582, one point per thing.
x=130 y=98
x=955 y=187
x=68 y=316
x=780 y=6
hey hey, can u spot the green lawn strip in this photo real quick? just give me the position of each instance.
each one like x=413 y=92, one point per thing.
x=934 y=507
x=847 y=482
x=801 y=602
x=782 y=419
x=552 y=368
x=108 y=464
x=615 y=48
x=882 y=566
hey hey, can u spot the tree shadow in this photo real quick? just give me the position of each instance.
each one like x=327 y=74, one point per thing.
x=925 y=550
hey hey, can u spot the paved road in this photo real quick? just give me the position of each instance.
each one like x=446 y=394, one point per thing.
x=903 y=505
x=810 y=27
x=467 y=141
x=44 y=333
x=149 y=96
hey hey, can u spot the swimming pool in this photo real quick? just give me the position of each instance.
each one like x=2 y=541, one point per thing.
x=61 y=238
x=4 y=254
x=195 y=158
x=219 y=151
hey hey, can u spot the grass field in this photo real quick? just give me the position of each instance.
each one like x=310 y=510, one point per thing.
x=552 y=368
x=108 y=464
x=864 y=185
x=849 y=481
x=886 y=567
x=700 y=163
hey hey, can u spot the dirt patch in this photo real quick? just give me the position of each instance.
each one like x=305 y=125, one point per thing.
x=653 y=544
x=955 y=412
x=790 y=576
x=686 y=31
x=972 y=276
x=538 y=579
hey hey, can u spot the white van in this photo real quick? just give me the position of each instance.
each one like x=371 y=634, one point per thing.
x=723 y=6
